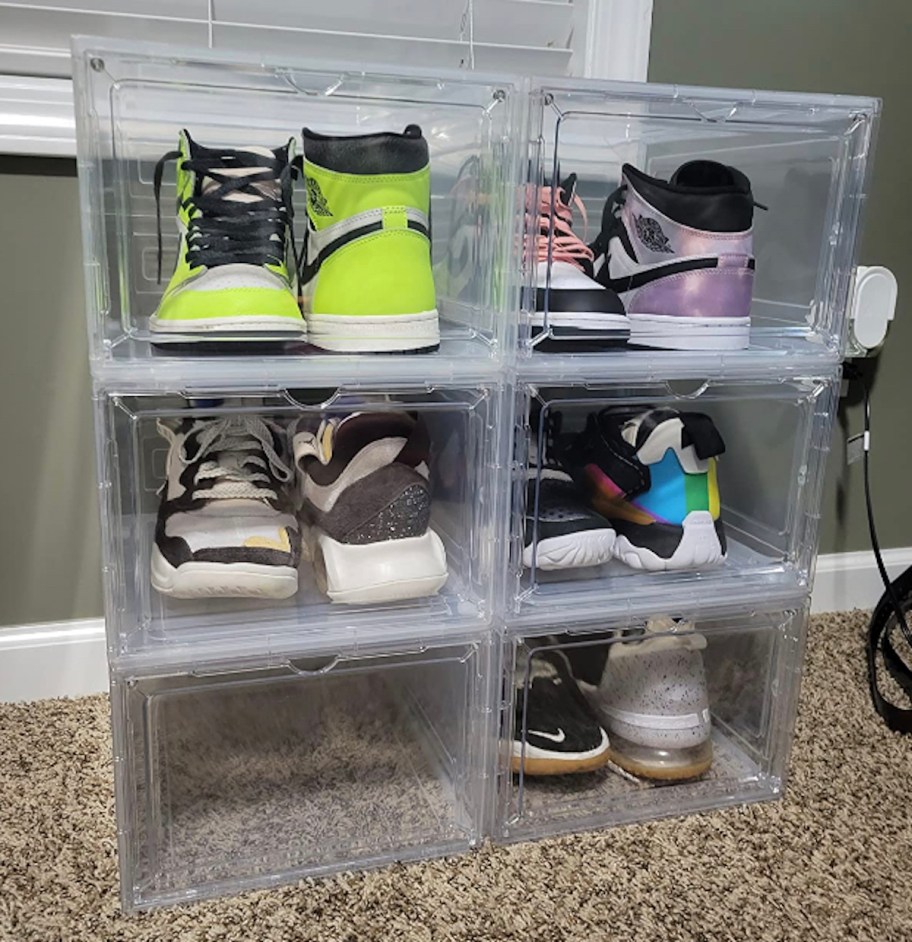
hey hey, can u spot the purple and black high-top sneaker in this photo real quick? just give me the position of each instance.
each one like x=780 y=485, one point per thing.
x=680 y=255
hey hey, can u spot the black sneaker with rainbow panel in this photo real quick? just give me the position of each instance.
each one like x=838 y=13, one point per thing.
x=652 y=475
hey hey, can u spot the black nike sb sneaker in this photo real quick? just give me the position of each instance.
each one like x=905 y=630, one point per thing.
x=555 y=731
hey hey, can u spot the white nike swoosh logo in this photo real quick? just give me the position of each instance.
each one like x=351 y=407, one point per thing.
x=559 y=736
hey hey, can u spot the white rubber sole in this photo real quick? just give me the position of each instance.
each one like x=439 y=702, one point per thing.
x=374 y=333
x=699 y=548
x=571 y=551
x=267 y=324
x=689 y=333
x=581 y=320
x=391 y=571
x=197 y=580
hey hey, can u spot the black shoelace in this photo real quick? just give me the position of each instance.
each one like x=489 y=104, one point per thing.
x=225 y=231
x=611 y=222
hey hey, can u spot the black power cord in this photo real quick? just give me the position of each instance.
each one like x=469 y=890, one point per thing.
x=890 y=606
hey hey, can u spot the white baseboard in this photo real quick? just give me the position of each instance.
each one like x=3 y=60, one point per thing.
x=69 y=658
x=850 y=580
x=54 y=659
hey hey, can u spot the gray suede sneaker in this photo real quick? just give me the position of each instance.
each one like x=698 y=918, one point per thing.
x=366 y=507
x=653 y=701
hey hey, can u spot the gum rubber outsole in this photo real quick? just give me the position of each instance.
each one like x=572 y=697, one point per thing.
x=541 y=766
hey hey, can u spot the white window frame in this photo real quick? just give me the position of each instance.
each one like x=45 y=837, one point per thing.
x=610 y=40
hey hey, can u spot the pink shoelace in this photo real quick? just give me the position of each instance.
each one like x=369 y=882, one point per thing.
x=566 y=245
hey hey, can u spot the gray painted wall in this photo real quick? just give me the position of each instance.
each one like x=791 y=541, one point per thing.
x=829 y=46
x=49 y=543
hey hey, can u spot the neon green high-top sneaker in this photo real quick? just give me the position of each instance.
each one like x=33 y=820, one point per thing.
x=366 y=281
x=235 y=265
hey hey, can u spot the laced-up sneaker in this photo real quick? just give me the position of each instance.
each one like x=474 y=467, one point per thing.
x=568 y=300
x=654 y=703
x=680 y=254
x=225 y=524
x=653 y=477
x=366 y=281
x=561 y=530
x=555 y=731
x=235 y=264
x=366 y=503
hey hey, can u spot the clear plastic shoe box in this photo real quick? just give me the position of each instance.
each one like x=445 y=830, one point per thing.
x=776 y=434
x=751 y=665
x=257 y=741
x=466 y=464
x=806 y=159
x=134 y=100
x=258 y=773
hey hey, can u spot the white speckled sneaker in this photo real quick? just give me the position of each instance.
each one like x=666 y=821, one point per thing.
x=654 y=704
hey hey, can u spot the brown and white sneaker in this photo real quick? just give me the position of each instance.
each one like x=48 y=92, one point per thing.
x=226 y=526
x=366 y=507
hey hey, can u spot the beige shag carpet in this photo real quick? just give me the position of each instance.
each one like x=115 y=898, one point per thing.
x=832 y=861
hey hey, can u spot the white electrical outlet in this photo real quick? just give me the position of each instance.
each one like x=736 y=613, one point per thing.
x=871 y=309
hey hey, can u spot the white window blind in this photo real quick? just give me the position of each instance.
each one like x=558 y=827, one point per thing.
x=604 y=38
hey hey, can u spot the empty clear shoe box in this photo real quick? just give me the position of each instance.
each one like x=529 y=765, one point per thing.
x=437 y=415
x=268 y=772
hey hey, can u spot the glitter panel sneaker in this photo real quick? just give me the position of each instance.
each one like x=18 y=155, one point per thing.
x=366 y=505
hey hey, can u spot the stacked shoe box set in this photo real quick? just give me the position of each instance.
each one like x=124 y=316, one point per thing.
x=461 y=442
